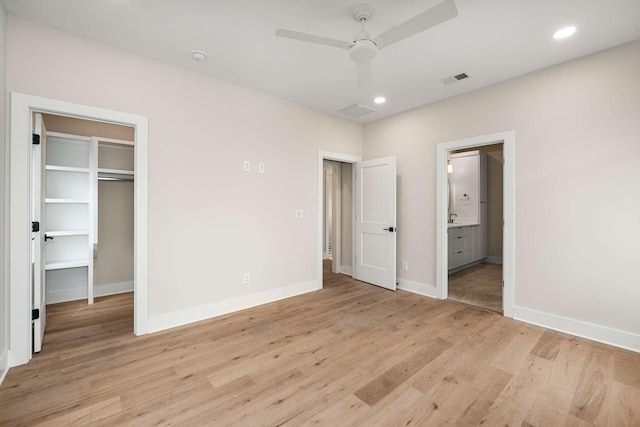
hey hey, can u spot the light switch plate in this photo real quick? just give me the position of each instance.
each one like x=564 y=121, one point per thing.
x=261 y=168
x=246 y=166
x=299 y=213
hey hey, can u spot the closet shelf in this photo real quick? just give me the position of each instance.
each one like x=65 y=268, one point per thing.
x=56 y=233
x=67 y=264
x=117 y=171
x=66 y=169
x=72 y=201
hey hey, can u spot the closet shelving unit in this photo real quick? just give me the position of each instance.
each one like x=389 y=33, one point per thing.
x=73 y=166
x=69 y=202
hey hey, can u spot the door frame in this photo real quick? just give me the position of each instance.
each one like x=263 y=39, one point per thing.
x=336 y=215
x=18 y=223
x=507 y=138
x=342 y=158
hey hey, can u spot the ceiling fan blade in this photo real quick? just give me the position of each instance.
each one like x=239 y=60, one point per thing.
x=430 y=18
x=364 y=73
x=311 y=38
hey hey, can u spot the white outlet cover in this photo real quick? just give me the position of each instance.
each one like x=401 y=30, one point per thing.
x=246 y=166
x=261 y=168
x=404 y=265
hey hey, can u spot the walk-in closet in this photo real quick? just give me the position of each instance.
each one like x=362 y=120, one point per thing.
x=87 y=209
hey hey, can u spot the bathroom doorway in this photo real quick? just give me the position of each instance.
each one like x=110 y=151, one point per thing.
x=458 y=251
x=474 y=225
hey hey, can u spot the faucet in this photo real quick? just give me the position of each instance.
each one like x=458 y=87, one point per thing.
x=451 y=215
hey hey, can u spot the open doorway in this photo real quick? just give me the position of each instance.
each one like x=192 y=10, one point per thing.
x=474 y=224
x=337 y=217
x=20 y=227
x=335 y=173
x=456 y=235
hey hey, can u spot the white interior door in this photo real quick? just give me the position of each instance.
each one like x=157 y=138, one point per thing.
x=38 y=243
x=375 y=258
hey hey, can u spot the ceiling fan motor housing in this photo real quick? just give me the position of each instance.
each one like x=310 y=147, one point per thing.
x=363 y=50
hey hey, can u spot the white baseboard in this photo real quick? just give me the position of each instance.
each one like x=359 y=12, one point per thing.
x=418 y=288
x=603 y=334
x=4 y=364
x=493 y=260
x=75 y=294
x=203 y=312
x=112 y=289
x=346 y=269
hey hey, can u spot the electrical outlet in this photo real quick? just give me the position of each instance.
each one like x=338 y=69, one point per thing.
x=404 y=266
x=299 y=213
x=246 y=278
x=246 y=166
x=261 y=168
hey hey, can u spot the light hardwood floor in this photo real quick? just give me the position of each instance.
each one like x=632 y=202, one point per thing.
x=480 y=285
x=349 y=354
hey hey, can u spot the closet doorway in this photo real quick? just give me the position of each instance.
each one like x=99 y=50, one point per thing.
x=83 y=213
x=20 y=228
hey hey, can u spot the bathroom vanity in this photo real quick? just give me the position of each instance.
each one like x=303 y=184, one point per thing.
x=467 y=229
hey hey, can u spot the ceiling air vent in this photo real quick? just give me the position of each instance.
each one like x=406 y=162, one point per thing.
x=453 y=79
x=356 y=110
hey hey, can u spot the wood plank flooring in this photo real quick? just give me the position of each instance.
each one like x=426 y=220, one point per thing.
x=480 y=285
x=350 y=354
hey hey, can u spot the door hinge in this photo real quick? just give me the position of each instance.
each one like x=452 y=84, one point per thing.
x=35 y=226
x=35 y=314
x=35 y=139
x=503 y=283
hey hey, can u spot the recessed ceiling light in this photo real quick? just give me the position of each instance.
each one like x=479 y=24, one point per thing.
x=564 y=33
x=380 y=100
x=198 y=56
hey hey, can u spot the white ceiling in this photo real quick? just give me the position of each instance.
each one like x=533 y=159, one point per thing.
x=491 y=40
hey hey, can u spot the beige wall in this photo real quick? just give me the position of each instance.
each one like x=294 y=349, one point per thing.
x=577 y=153
x=494 y=199
x=114 y=263
x=4 y=291
x=209 y=222
x=81 y=127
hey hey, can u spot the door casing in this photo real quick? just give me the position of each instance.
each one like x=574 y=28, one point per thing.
x=18 y=224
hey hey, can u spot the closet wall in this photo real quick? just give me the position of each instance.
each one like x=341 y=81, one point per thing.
x=113 y=263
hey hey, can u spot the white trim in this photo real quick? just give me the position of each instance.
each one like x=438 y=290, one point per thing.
x=346 y=269
x=75 y=294
x=508 y=268
x=418 y=288
x=603 y=334
x=203 y=312
x=493 y=259
x=322 y=156
x=4 y=364
x=18 y=227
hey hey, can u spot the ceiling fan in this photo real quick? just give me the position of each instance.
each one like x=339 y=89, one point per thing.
x=364 y=48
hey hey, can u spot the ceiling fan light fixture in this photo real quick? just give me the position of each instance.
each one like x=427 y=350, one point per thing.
x=565 y=32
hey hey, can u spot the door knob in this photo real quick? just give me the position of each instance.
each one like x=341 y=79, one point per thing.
x=390 y=229
x=47 y=238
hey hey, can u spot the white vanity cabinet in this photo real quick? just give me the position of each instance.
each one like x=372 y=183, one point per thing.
x=467 y=244
x=460 y=246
